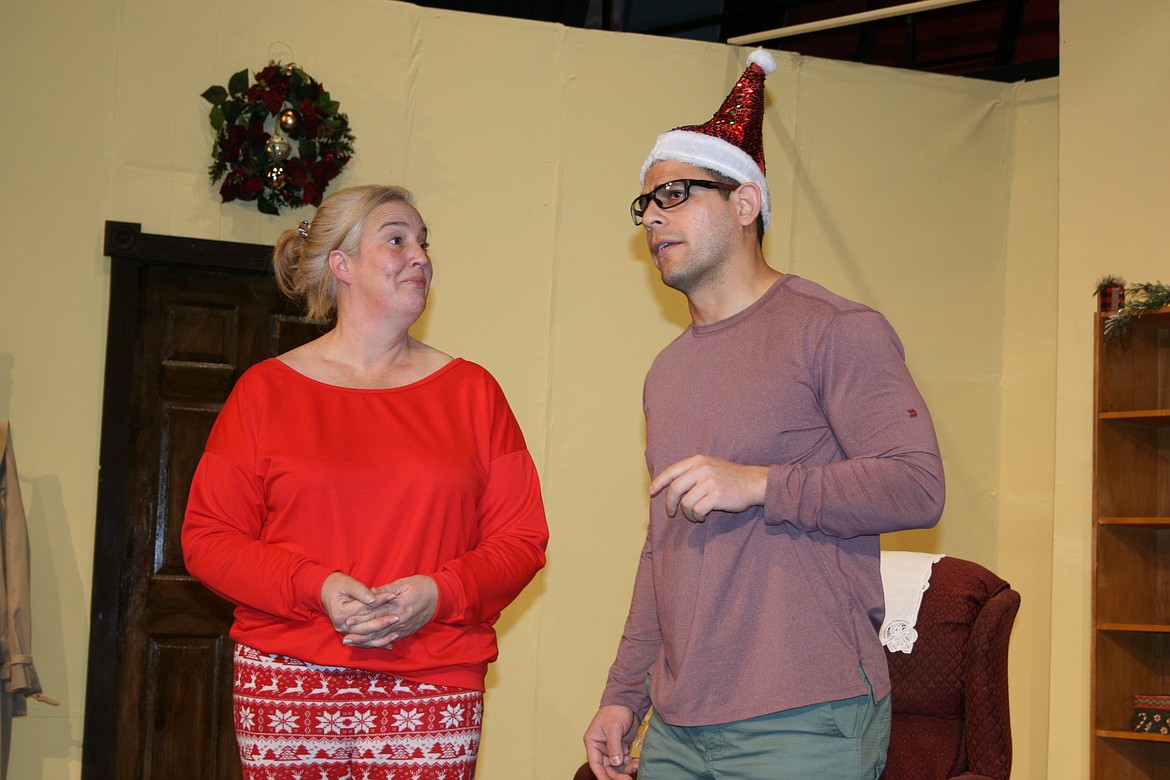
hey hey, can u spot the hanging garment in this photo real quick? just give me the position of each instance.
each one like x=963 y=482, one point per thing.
x=18 y=677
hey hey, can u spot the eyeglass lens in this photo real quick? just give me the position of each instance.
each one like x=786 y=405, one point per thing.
x=667 y=196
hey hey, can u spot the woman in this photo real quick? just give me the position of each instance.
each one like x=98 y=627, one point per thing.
x=369 y=504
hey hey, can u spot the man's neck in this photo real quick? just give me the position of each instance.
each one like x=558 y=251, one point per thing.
x=738 y=289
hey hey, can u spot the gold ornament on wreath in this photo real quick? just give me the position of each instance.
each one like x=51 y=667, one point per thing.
x=279 y=140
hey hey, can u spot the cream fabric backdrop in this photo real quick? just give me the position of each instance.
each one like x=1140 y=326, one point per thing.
x=522 y=142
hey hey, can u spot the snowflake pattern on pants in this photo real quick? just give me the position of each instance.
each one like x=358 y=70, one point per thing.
x=300 y=721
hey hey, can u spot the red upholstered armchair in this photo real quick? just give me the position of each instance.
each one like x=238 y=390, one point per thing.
x=950 y=695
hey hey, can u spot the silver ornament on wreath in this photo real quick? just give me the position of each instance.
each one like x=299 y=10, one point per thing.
x=289 y=120
x=278 y=147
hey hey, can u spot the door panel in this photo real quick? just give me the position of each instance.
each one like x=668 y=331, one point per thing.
x=160 y=659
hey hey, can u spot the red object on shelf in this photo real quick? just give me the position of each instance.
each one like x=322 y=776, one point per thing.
x=1111 y=298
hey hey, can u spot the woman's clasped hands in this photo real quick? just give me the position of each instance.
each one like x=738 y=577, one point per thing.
x=378 y=617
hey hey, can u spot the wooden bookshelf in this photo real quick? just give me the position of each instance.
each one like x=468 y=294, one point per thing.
x=1131 y=546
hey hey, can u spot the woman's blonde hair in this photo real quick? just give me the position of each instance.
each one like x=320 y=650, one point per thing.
x=300 y=258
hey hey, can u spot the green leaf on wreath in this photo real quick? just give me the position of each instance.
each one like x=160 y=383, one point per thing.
x=298 y=93
x=216 y=117
x=215 y=95
x=238 y=83
x=266 y=206
x=232 y=110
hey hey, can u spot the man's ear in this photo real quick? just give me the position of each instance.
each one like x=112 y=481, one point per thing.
x=748 y=201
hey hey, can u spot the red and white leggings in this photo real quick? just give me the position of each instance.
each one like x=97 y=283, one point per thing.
x=296 y=720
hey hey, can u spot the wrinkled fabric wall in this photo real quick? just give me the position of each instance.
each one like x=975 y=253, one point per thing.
x=522 y=142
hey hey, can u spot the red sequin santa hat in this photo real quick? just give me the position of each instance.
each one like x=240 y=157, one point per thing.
x=732 y=141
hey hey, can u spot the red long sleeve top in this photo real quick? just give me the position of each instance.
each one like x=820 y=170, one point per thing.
x=300 y=479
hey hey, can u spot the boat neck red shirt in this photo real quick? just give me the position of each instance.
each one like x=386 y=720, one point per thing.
x=300 y=479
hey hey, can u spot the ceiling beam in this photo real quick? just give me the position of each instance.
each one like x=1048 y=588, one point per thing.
x=845 y=21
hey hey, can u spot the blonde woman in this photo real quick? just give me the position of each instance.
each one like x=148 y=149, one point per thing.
x=370 y=505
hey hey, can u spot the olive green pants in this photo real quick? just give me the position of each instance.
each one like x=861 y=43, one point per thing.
x=838 y=740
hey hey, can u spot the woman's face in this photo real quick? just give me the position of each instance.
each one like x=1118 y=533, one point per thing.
x=390 y=272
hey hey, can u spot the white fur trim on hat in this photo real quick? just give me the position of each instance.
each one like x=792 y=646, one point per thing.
x=707 y=151
x=762 y=58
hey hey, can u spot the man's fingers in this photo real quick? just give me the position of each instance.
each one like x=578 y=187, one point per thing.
x=669 y=474
x=615 y=748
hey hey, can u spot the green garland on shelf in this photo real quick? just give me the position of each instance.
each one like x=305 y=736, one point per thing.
x=1139 y=299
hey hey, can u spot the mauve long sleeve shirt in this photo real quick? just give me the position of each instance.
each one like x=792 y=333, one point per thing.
x=776 y=607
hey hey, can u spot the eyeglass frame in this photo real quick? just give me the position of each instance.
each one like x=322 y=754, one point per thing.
x=646 y=198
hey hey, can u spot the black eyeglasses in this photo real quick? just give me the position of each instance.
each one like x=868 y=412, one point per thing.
x=671 y=194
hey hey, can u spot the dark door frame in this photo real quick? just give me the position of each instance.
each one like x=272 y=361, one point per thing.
x=130 y=250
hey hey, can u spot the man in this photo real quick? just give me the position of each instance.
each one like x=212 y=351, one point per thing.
x=783 y=435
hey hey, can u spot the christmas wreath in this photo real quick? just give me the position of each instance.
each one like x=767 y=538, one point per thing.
x=292 y=165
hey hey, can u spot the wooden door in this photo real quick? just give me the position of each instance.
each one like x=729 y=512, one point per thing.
x=187 y=317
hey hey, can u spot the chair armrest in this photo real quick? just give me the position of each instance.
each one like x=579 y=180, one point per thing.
x=988 y=719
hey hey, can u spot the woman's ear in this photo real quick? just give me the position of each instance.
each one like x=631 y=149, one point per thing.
x=339 y=265
x=748 y=202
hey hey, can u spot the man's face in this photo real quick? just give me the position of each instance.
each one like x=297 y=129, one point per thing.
x=690 y=242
